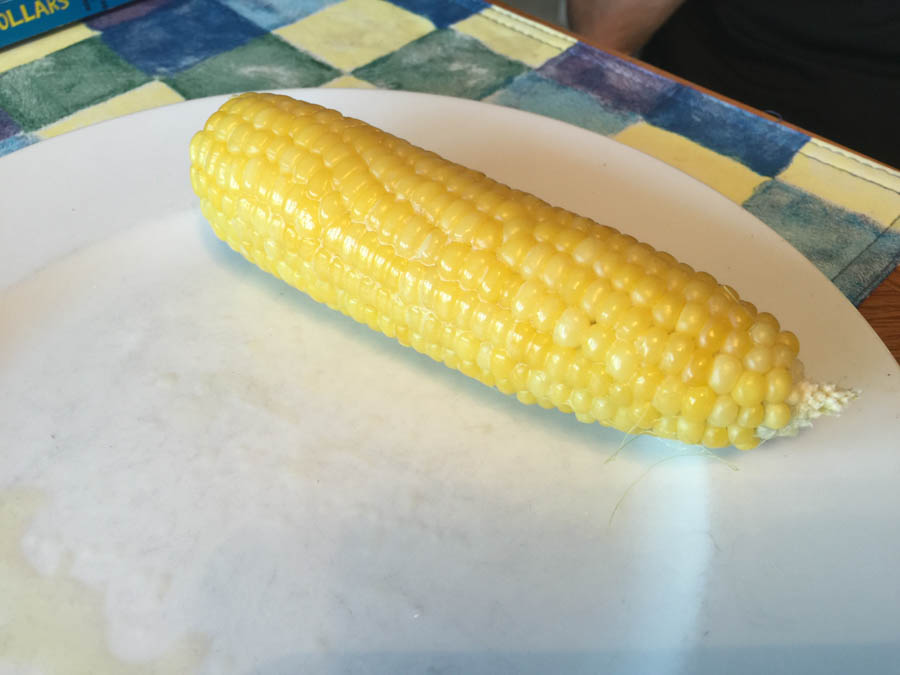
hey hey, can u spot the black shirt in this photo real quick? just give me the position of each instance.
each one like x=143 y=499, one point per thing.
x=831 y=67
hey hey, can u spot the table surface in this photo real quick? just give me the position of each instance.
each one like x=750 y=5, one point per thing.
x=841 y=210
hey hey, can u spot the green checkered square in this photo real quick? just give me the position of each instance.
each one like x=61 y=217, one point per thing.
x=443 y=62
x=264 y=63
x=38 y=93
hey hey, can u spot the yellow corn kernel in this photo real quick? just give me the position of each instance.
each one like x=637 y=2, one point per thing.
x=620 y=394
x=545 y=403
x=501 y=365
x=678 y=277
x=697 y=370
x=692 y=318
x=556 y=363
x=667 y=309
x=554 y=270
x=624 y=421
x=715 y=437
x=571 y=327
x=721 y=300
x=597 y=341
x=524 y=303
x=466 y=346
x=777 y=415
x=611 y=307
x=666 y=427
x=607 y=263
x=644 y=386
x=740 y=316
x=505 y=387
x=789 y=340
x=621 y=361
x=518 y=377
x=626 y=276
x=620 y=241
x=541 y=303
x=697 y=403
x=574 y=282
x=599 y=382
x=763 y=332
x=669 y=395
x=713 y=333
x=724 y=411
x=603 y=410
x=535 y=260
x=475 y=268
x=690 y=431
x=750 y=389
x=538 y=384
x=520 y=338
x=559 y=394
x=483 y=355
x=639 y=254
x=593 y=295
x=767 y=318
x=633 y=322
x=724 y=373
x=537 y=350
x=700 y=288
x=751 y=416
x=548 y=310
x=650 y=345
x=514 y=249
x=742 y=438
x=782 y=356
x=647 y=290
x=737 y=343
x=526 y=397
x=643 y=415
x=581 y=401
x=587 y=251
x=759 y=359
x=578 y=373
x=677 y=353
x=778 y=385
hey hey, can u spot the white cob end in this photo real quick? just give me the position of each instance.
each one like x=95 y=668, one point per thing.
x=809 y=401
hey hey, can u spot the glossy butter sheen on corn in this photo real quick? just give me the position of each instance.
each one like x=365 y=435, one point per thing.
x=531 y=299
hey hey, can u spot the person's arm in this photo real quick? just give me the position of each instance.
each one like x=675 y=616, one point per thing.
x=622 y=25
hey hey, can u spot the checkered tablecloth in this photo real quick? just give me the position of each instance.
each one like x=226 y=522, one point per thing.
x=839 y=209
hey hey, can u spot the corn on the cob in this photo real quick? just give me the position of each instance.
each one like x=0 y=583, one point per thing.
x=529 y=298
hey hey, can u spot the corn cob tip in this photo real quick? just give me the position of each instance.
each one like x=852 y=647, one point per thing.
x=810 y=401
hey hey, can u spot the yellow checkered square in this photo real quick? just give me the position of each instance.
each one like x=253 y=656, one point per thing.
x=40 y=47
x=349 y=82
x=846 y=180
x=147 y=96
x=514 y=36
x=353 y=33
x=723 y=174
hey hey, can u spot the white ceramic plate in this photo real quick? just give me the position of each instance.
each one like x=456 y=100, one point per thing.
x=203 y=471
